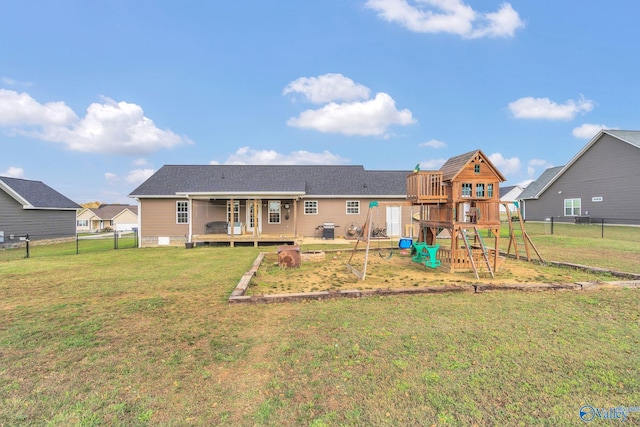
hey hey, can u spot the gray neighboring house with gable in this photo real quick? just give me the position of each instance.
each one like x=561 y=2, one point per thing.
x=602 y=181
x=35 y=209
x=265 y=203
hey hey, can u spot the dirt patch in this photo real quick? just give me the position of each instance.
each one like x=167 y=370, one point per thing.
x=398 y=271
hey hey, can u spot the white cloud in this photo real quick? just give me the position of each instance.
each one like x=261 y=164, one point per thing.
x=134 y=177
x=433 y=143
x=349 y=110
x=327 y=88
x=588 y=130
x=13 y=172
x=367 y=118
x=140 y=162
x=432 y=164
x=111 y=178
x=543 y=108
x=109 y=127
x=505 y=166
x=448 y=16
x=114 y=128
x=137 y=176
x=13 y=82
x=20 y=109
x=537 y=166
x=249 y=156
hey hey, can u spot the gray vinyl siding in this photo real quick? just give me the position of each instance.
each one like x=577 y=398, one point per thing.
x=608 y=169
x=39 y=224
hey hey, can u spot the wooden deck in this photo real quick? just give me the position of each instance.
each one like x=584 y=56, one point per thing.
x=245 y=239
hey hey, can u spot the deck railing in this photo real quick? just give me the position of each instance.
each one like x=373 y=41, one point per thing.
x=425 y=186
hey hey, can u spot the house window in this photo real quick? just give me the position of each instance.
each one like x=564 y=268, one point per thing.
x=572 y=207
x=274 y=212
x=311 y=207
x=479 y=190
x=182 y=212
x=82 y=223
x=236 y=211
x=466 y=190
x=476 y=168
x=489 y=190
x=353 y=207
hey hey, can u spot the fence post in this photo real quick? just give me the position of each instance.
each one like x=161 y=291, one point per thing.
x=115 y=239
x=77 y=244
x=27 y=244
x=602 y=232
x=552 y=226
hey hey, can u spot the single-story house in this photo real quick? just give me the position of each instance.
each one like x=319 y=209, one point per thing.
x=265 y=203
x=117 y=217
x=599 y=182
x=509 y=194
x=33 y=209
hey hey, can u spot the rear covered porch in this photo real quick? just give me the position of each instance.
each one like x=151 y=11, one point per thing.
x=260 y=219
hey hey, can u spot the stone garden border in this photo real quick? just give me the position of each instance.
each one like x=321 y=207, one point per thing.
x=238 y=295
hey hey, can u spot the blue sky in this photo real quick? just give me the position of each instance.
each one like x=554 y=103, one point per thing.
x=96 y=96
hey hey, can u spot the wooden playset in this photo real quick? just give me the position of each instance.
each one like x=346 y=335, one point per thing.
x=461 y=201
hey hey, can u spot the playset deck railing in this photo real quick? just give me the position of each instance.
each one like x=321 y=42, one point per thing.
x=425 y=186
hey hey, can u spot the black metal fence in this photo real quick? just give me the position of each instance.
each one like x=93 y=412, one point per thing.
x=30 y=246
x=603 y=228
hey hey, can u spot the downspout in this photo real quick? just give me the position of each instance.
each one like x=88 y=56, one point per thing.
x=139 y=223
x=190 y=219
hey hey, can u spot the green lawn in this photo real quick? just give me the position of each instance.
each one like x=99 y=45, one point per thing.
x=146 y=337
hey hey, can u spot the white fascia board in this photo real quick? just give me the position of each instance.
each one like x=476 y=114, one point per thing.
x=241 y=194
x=17 y=197
x=354 y=196
x=163 y=196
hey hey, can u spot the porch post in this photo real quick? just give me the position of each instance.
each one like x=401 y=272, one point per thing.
x=295 y=218
x=232 y=217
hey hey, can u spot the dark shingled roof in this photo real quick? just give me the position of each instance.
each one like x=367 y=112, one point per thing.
x=533 y=190
x=255 y=179
x=110 y=211
x=630 y=136
x=505 y=190
x=36 y=194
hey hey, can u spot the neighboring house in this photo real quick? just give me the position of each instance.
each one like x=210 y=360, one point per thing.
x=509 y=194
x=601 y=181
x=116 y=217
x=32 y=208
x=265 y=203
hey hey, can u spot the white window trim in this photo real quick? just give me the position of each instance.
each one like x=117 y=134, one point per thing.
x=236 y=210
x=357 y=207
x=178 y=212
x=304 y=207
x=564 y=206
x=279 y=212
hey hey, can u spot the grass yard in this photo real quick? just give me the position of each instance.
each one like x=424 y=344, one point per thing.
x=146 y=337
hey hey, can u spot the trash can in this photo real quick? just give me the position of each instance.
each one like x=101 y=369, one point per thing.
x=328 y=230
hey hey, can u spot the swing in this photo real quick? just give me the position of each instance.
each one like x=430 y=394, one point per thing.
x=382 y=251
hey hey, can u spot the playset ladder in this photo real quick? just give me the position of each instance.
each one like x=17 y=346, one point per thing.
x=485 y=255
x=518 y=235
